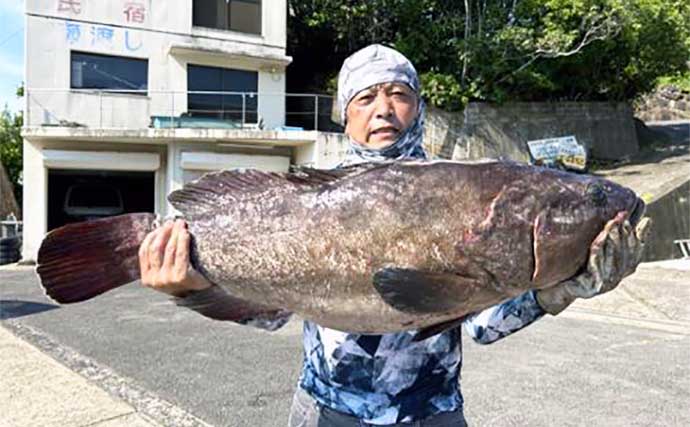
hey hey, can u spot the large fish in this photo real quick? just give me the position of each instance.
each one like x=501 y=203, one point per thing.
x=372 y=248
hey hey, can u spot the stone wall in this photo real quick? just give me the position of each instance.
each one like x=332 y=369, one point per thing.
x=606 y=129
x=666 y=103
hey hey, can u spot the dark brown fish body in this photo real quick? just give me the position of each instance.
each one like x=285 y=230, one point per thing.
x=485 y=232
x=394 y=246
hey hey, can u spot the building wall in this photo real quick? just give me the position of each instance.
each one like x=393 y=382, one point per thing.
x=116 y=126
x=165 y=37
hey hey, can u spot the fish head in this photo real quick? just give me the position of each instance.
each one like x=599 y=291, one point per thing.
x=576 y=209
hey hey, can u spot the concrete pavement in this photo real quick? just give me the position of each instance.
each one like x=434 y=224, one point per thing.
x=622 y=359
x=35 y=390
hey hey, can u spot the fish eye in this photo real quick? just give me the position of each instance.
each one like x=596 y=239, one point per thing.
x=596 y=194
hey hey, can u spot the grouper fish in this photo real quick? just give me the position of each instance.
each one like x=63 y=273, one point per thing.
x=371 y=248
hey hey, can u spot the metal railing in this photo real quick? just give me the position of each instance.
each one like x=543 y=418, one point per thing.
x=136 y=109
x=684 y=246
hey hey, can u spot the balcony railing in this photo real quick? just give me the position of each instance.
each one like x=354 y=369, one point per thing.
x=138 y=109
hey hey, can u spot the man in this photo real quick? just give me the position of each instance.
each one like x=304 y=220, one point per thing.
x=352 y=379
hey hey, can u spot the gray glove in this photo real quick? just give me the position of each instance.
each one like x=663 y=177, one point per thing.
x=614 y=254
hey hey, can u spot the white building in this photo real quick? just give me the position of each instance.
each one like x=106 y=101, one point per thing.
x=123 y=103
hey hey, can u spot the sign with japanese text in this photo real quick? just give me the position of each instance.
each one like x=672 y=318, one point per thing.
x=565 y=151
x=103 y=36
x=135 y=12
x=69 y=6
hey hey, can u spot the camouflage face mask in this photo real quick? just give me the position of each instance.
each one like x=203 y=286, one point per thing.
x=373 y=65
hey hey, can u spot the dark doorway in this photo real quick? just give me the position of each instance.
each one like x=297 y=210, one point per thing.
x=80 y=195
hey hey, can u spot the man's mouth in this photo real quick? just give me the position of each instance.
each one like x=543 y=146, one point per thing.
x=388 y=130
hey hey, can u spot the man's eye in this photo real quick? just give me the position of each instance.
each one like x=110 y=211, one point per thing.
x=400 y=92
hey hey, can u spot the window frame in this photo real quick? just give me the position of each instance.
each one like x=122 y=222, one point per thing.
x=222 y=110
x=110 y=91
x=226 y=19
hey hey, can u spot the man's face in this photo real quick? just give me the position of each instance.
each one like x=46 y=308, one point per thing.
x=378 y=115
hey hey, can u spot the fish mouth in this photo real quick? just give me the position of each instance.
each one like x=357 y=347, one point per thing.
x=637 y=212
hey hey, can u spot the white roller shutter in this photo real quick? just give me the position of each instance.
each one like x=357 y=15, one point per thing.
x=195 y=164
x=101 y=160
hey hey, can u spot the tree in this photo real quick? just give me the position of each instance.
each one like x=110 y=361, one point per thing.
x=11 y=149
x=530 y=50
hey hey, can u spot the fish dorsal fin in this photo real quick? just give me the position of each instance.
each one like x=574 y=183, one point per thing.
x=311 y=176
x=217 y=189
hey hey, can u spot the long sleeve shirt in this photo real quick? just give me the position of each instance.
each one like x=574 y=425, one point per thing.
x=384 y=379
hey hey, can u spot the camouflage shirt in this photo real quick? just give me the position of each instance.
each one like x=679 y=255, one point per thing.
x=386 y=379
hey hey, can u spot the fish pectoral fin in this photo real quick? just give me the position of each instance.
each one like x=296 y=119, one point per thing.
x=422 y=292
x=216 y=303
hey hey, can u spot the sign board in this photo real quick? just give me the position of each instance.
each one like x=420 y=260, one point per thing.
x=564 y=151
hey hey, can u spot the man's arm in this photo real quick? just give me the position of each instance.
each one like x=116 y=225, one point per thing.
x=501 y=320
x=164 y=265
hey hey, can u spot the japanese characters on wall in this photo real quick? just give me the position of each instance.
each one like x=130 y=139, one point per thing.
x=103 y=36
x=100 y=35
x=133 y=11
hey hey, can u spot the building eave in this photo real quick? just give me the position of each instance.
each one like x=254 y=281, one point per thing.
x=262 y=57
x=162 y=136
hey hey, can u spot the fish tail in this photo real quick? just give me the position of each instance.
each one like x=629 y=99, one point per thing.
x=80 y=261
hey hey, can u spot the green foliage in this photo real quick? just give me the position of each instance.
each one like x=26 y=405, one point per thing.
x=681 y=81
x=442 y=89
x=11 y=149
x=503 y=49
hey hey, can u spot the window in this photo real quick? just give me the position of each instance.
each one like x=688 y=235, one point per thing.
x=222 y=106
x=91 y=71
x=235 y=15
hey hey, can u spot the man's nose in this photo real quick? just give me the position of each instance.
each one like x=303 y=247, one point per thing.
x=384 y=105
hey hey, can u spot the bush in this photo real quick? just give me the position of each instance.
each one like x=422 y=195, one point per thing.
x=11 y=149
x=529 y=50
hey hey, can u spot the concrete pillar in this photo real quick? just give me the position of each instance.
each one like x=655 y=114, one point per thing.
x=271 y=106
x=174 y=179
x=35 y=204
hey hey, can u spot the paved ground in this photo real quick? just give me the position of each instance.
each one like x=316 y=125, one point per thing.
x=619 y=360
x=33 y=382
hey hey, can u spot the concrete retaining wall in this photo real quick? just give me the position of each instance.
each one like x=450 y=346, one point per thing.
x=442 y=130
x=671 y=221
x=606 y=129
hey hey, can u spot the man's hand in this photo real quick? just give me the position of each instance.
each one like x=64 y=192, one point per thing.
x=164 y=261
x=614 y=254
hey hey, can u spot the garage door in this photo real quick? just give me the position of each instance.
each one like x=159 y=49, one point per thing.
x=77 y=195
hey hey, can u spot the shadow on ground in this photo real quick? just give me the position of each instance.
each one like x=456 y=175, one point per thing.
x=10 y=309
